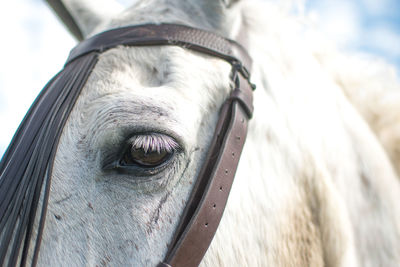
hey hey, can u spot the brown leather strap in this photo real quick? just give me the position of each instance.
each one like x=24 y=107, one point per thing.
x=205 y=207
x=222 y=162
x=164 y=34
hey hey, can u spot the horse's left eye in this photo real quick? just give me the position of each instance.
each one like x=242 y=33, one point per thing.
x=143 y=154
x=145 y=158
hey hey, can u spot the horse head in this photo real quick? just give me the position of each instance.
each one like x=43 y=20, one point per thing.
x=135 y=140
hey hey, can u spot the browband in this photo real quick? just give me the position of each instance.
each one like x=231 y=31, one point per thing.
x=209 y=196
x=164 y=34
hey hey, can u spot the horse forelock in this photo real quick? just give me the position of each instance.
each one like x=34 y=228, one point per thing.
x=27 y=164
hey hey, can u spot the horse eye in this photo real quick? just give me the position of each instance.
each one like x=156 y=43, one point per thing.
x=143 y=154
x=144 y=158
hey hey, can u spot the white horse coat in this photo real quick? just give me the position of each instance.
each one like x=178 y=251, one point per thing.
x=316 y=184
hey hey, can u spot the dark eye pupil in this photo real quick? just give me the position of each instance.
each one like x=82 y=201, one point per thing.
x=148 y=159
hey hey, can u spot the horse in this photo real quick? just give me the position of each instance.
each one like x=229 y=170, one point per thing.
x=317 y=183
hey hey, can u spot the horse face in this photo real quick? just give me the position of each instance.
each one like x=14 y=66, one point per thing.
x=130 y=153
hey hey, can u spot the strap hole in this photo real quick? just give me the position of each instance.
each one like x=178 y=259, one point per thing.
x=233 y=154
x=237 y=137
x=206 y=224
x=220 y=188
x=214 y=206
x=226 y=171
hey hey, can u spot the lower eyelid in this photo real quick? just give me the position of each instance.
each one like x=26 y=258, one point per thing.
x=135 y=169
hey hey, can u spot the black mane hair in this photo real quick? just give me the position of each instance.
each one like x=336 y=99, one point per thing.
x=26 y=166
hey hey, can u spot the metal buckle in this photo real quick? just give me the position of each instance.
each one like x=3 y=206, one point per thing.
x=239 y=67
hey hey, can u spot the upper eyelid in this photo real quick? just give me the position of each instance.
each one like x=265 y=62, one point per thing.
x=154 y=142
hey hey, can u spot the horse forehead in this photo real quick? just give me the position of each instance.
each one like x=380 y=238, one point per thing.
x=162 y=88
x=165 y=74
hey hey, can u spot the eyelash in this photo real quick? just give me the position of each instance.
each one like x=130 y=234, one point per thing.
x=154 y=142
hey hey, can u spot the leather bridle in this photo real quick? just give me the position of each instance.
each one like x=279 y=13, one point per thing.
x=209 y=196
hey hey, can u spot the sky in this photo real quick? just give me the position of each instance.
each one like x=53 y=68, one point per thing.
x=35 y=45
x=371 y=26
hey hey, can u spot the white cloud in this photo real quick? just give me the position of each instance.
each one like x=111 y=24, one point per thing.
x=384 y=40
x=359 y=24
x=377 y=7
x=339 y=20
